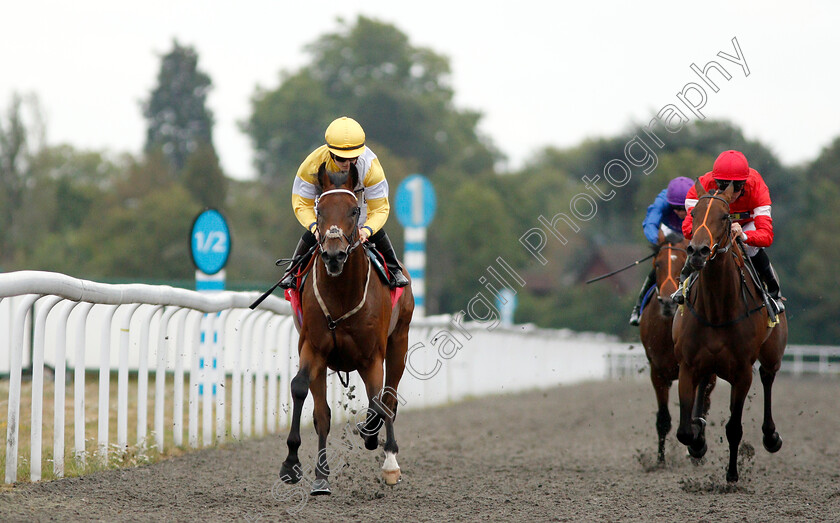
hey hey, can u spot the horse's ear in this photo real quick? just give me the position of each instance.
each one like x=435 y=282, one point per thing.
x=323 y=179
x=728 y=192
x=661 y=236
x=354 y=177
x=699 y=188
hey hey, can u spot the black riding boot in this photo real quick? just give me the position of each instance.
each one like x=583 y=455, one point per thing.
x=302 y=256
x=383 y=244
x=762 y=264
x=686 y=271
x=637 y=309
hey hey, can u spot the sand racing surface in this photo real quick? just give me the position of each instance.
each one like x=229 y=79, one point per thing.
x=584 y=452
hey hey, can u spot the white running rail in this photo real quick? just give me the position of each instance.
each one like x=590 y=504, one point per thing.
x=159 y=330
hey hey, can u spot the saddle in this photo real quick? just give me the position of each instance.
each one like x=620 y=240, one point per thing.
x=646 y=299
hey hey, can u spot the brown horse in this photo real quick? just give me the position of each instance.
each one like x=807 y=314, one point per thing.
x=723 y=328
x=655 y=330
x=348 y=325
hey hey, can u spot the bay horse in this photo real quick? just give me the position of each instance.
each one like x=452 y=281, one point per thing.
x=655 y=330
x=348 y=324
x=723 y=328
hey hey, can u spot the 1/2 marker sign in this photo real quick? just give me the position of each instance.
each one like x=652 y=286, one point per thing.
x=210 y=242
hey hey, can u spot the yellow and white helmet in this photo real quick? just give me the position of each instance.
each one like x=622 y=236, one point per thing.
x=345 y=138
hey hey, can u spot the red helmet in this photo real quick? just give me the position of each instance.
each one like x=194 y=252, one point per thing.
x=731 y=165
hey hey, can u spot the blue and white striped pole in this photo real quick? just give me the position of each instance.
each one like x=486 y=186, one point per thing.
x=415 y=204
x=415 y=263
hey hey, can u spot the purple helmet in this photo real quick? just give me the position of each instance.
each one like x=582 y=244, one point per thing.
x=677 y=189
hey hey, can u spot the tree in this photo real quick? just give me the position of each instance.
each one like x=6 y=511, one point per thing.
x=399 y=93
x=176 y=113
x=204 y=179
x=21 y=137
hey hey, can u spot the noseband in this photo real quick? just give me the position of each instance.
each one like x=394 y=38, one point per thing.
x=726 y=234
x=335 y=231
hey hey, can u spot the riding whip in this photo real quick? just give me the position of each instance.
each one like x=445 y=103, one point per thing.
x=651 y=255
x=292 y=267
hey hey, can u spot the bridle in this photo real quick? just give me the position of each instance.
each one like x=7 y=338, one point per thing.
x=353 y=240
x=670 y=247
x=335 y=232
x=716 y=248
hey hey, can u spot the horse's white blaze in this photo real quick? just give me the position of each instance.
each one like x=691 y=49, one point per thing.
x=390 y=469
x=334 y=232
x=673 y=256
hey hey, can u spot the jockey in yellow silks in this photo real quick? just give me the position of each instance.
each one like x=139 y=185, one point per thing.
x=345 y=146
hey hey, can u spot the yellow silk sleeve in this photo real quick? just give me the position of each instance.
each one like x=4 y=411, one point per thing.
x=304 y=210
x=377 y=213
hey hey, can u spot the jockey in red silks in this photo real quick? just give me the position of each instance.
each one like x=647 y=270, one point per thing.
x=750 y=210
x=345 y=147
x=665 y=214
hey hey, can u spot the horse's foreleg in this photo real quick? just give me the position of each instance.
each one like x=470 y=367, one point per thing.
x=772 y=441
x=373 y=378
x=707 y=394
x=734 y=428
x=321 y=418
x=290 y=471
x=661 y=386
x=394 y=368
x=690 y=431
x=700 y=408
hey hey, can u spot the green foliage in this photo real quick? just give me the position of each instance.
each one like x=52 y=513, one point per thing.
x=21 y=136
x=91 y=216
x=138 y=237
x=204 y=179
x=176 y=113
x=474 y=234
x=369 y=71
x=813 y=304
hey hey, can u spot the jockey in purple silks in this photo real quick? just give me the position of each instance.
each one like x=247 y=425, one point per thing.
x=665 y=214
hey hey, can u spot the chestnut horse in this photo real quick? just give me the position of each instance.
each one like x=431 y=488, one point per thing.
x=348 y=325
x=655 y=330
x=722 y=329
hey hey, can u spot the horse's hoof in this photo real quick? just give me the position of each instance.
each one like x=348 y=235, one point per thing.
x=290 y=474
x=731 y=477
x=772 y=443
x=698 y=453
x=391 y=477
x=320 y=487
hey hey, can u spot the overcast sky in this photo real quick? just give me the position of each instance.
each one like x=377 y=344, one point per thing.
x=542 y=73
